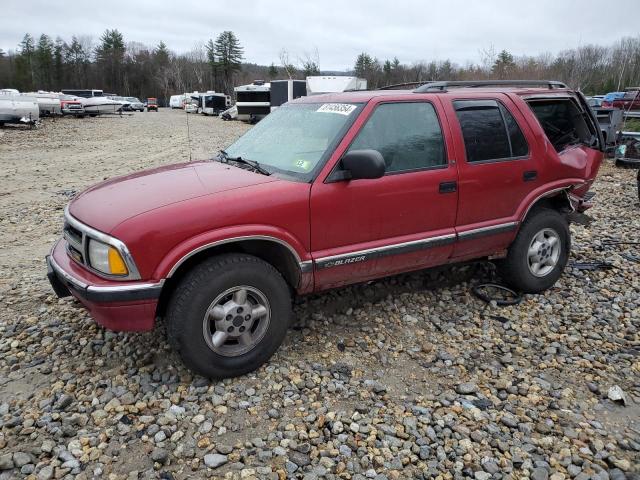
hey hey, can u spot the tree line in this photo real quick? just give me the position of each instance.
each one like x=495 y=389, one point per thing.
x=135 y=69
x=123 y=68
x=593 y=69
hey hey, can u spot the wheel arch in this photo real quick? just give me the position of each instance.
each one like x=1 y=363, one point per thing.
x=555 y=199
x=274 y=251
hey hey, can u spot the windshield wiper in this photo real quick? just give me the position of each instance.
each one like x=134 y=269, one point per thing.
x=225 y=158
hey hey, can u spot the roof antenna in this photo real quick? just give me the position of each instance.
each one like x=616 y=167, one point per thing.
x=188 y=132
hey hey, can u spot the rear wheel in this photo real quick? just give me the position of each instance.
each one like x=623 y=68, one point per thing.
x=229 y=315
x=539 y=253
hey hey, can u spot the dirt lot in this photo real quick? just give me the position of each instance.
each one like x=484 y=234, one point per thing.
x=409 y=377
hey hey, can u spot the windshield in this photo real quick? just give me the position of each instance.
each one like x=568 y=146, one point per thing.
x=133 y=99
x=296 y=138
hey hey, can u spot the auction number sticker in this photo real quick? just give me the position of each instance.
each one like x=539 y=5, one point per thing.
x=340 y=108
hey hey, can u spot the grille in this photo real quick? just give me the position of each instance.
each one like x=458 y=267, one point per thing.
x=75 y=243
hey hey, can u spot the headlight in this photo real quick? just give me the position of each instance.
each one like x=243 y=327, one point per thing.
x=106 y=259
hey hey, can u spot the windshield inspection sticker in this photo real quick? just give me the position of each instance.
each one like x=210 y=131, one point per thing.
x=304 y=165
x=341 y=108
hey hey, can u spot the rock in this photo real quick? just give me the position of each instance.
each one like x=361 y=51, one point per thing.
x=160 y=455
x=466 y=388
x=539 y=473
x=215 y=460
x=300 y=459
x=45 y=473
x=6 y=461
x=509 y=420
x=20 y=459
x=64 y=401
x=616 y=394
x=621 y=463
x=480 y=475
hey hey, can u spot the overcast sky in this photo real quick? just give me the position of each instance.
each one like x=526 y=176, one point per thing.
x=412 y=30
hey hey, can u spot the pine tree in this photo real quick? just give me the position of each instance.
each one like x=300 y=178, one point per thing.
x=44 y=62
x=25 y=63
x=368 y=68
x=273 y=71
x=78 y=59
x=504 y=65
x=210 y=47
x=363 y=65
x=58 y=63
x=110 y=58
x=228 y=53
x=161 y=54
x=310 y=67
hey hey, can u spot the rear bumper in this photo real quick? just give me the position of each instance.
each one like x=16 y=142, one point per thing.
x=121 y=306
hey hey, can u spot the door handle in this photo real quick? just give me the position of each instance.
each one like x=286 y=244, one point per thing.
x=530 y=175
x=448 y=187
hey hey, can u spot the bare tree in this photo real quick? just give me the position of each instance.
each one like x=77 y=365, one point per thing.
x=288 y=66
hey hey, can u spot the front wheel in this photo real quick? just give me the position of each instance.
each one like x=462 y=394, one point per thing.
x=539 y=253
x=229 y=315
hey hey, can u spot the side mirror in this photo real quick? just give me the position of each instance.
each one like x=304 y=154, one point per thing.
x=360 y=164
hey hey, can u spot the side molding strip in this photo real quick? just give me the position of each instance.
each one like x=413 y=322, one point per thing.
x=370 y=254
x=407 y=247
x=484 y=231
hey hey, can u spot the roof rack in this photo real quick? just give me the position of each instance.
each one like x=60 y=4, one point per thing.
x=442 y=86
x=400 y=85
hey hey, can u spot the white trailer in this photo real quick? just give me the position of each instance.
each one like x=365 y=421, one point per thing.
x=253 y=101
x=211 y=102
x=317 y=85
x=177 y=101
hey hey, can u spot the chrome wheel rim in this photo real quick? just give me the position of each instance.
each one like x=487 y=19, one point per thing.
x=544 y=252
x=236 y=321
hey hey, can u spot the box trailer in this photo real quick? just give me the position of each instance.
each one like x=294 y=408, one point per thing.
x=211 y=103
x=320 y=84
x=283 y=91
x=253 y=101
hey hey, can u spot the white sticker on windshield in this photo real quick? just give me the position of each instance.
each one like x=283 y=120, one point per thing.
x=341 y=108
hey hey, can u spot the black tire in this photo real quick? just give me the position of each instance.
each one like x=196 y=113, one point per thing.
x=516 y=270
x=196 y=292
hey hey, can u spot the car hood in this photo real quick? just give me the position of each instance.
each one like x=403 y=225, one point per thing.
x=109 y=203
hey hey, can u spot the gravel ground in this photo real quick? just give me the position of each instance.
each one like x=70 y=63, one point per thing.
x=408 y=377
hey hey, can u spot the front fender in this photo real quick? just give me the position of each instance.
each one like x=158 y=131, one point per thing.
x=180 y=253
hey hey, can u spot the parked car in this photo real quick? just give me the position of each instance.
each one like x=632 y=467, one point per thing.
x=152 y=104
x=135 y=105
x=627 y=100
x=71 y=105
x=595 y=101
x=327 y=191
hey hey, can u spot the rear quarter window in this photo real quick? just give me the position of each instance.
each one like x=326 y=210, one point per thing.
x=563 y=121
x=489 y=130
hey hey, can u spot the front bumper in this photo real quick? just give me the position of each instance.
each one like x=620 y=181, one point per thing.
x=121 y=306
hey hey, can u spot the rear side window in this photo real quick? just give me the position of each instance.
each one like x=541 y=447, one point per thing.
x=490 y=132
x=564 y=122
x=408 y=136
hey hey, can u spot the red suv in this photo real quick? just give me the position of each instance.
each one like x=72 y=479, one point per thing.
x=326 y=191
